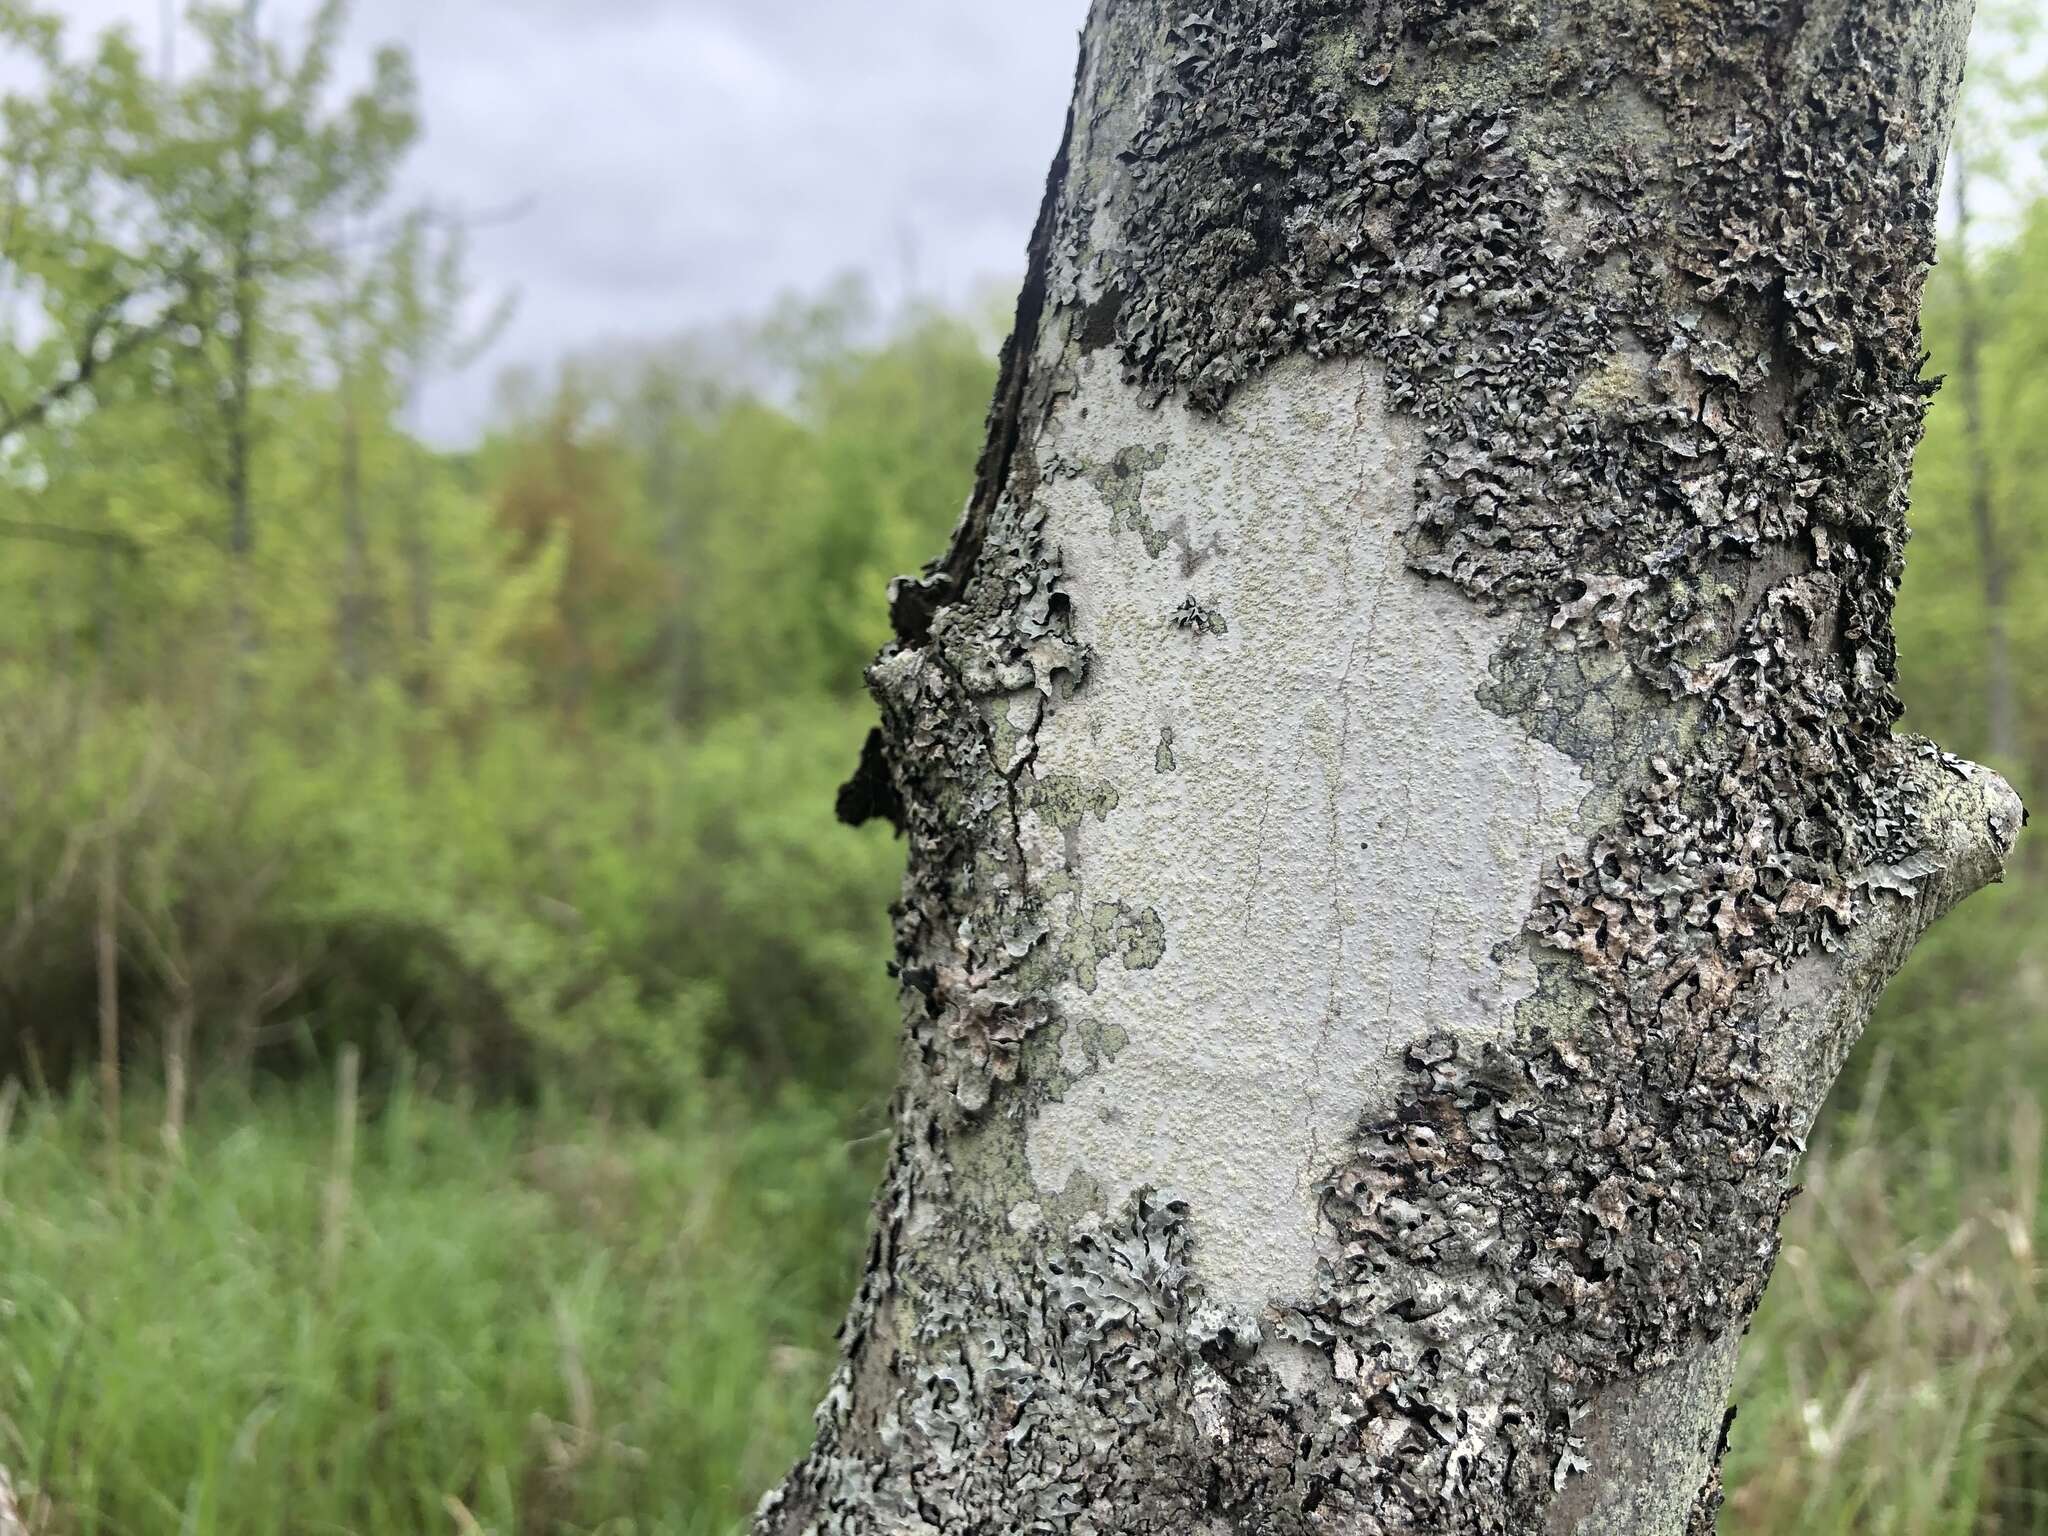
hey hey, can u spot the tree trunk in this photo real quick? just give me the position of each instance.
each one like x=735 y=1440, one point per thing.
x=358 y=602
x=236 y=404
x=239 y=388
x=419 y=549
x=107 y=969
x=1404 y=820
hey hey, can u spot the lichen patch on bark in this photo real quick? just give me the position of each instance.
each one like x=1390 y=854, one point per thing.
x=1350 y=844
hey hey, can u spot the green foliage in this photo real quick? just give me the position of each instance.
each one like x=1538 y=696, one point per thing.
x=160 y=238
x=522 y=1320
x=614 y=909
x=730 y=544
x=1942 y=633
x=1895 y=1382
x=522 y=760
x=1962 y=1021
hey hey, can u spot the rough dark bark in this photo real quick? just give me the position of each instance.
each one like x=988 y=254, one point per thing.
x=1403 y=813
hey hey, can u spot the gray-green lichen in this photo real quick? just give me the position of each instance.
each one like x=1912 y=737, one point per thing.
x=1646 y=273
x=1122 y=483
x=1065 y=801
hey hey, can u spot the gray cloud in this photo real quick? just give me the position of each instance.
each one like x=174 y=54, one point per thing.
x=688 y=160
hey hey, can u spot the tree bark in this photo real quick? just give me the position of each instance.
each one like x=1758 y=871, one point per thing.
x=1404 y=821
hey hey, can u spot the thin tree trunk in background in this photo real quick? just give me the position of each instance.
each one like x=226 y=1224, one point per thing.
x=2001 y=704
x=1404 y=824
x=10 y=1100
x=419 y=562
x=664 y=492
x=356 y=598
x=356 y=601
x=341 y=1179
x=236 y=406
x=107 y=957
x=238 y=391
x=419 y=552
x=177 y=1075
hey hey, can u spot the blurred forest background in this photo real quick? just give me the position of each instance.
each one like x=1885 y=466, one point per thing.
x=444 y=1039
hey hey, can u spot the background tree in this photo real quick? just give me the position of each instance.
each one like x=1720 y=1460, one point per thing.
x=260 y=164
x=91 y=280
x=2005 y=108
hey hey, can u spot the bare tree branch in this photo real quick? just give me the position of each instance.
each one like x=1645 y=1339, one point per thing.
x=89 y=358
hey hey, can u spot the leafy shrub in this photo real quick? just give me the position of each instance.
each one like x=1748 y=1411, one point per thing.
x=618 y=915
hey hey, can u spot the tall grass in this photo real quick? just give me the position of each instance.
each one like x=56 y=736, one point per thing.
x=1896 y=1380
x=469 y=1321
x=528 y=1323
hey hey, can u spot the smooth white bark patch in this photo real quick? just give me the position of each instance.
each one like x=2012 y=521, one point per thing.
x=1342 y=841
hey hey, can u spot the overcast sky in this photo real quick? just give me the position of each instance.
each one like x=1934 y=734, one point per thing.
x=688 y=160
